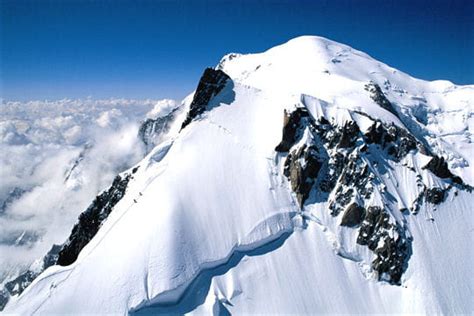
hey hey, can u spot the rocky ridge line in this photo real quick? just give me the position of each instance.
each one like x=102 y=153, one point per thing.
x=335 y=164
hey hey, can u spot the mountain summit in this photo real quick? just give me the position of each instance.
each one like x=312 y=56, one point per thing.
x=309 y=178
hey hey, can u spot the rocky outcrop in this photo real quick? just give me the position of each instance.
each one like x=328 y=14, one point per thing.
x=210 y=84
x=91 y=220
x=353 y=182
x=75 y=164
x=151 y=130
x=302 y=176
x=353 y=215
x=343 y=167
x=388 y=241
x=435 y=195
x=439 y=167
x=379 y=97
x=293 y=127
x=395 y=140
x=349 y=135
x=4 y=298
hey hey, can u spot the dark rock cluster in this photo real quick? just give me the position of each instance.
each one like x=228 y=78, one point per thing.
x=211 y=83
x=293 y=126
x=439 y=167
x=16 y=286
x=91 y=220
x=78 y=160
x=4 y=298
x=341 y=164
x=349 y=135
x=435 y=195
x=353 y=182
x=389 y=243
x=395 y=140
x=302 y=176
x=379 y=97
x=353 y=215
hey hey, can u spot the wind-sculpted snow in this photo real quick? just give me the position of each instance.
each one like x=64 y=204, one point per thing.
x=310 y=180
x=190 y=295
x=312 y=274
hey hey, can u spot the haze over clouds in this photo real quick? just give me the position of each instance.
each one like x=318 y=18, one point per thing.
x=55 y=157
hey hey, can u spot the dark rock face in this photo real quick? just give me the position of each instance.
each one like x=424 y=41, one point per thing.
x=353 y=181
x=152 y=128
x=349 y=135
x=51 y=257
x=91 y=220
x=20 y=283
x=4 y=298
x=353 y=215
x=335 y=165
x=395 y=140
x=210 y=84
x=440 y=168
x=392 y=253
x=379 y=97
x=435 y=195
x=293 y=126
x=302 y=177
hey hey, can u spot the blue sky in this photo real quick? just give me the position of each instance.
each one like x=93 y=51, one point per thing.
x=157 y=49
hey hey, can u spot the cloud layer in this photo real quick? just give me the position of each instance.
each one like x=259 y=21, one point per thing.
x=55 y=157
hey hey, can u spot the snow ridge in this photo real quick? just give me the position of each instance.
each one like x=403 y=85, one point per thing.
x=337 y=210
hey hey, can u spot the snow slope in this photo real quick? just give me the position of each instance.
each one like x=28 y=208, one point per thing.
x=304 y=276
x=210 y=223
x=55 y=157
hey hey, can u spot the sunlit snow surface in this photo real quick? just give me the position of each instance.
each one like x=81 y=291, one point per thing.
x=208 y=223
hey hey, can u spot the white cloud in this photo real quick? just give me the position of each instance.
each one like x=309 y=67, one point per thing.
x=162 y=108
x=61 y=154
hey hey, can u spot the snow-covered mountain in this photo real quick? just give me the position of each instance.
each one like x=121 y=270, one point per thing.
x=309 y=178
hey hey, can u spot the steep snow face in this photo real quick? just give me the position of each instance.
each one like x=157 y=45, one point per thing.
x=230 y=214
x=191 y=203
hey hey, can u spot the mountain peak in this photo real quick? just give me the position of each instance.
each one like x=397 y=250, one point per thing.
x=311 y=42
x=308 y=168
